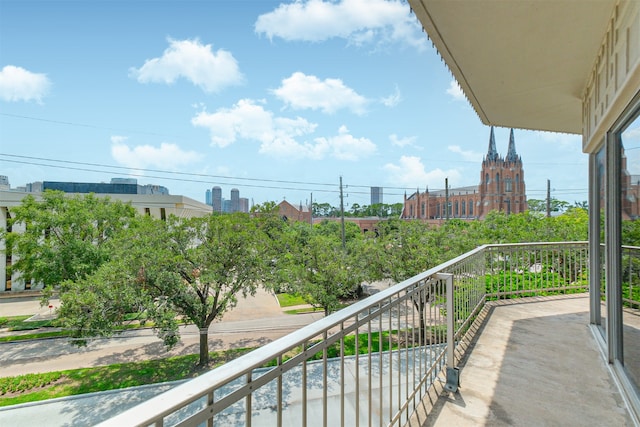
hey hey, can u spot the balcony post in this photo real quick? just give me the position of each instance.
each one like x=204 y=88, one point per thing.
x=453 y=378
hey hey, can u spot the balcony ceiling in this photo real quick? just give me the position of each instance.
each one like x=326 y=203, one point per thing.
x=523 y=63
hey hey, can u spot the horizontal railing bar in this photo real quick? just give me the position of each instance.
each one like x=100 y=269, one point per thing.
x=538 y=290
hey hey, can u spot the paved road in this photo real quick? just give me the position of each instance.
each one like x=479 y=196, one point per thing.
x=255 y=321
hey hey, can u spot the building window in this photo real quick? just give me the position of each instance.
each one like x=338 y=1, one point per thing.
x=517 y=182
x=486 y=182
x=497 y=183
x=471 y=208
x=456 y=210
x=163 y=214
x=422 y=210
x=507 y=185
x=147 y=211
x=464 y=208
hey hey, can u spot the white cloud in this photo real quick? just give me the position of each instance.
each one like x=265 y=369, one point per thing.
x=246 y=120
x=455 y=91
x=18 y=84
x=631 y=133
x=402 y=142
x=301 y=91
x=346 y=147
x=167 y=156
x=278 y=136
x=410 y=172
x=393 y=99
x=190 y=59
x=468 y=155
x=358 y=21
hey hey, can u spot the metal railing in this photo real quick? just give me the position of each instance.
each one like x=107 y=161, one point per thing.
x=631 y=276
x=371 y=363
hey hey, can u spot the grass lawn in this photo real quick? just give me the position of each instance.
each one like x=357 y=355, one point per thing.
x=289 y=300
x=18 y=323
x=35 y=387
x=303 y=310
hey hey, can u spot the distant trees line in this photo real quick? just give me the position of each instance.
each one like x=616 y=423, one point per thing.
x=105 y=261
x=381 y=210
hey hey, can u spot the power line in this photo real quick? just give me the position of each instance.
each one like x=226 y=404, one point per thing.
x=85 y=125
x=214 y=178
x=229 y=180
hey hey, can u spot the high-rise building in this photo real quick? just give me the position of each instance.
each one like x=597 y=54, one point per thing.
x=207 y=198
x=235 y=200
x=376 y=195
x=244 y=204
x=216 y=199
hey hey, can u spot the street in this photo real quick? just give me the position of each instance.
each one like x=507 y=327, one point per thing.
x=255 y=321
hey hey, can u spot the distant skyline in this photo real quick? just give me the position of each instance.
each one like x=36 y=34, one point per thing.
x=277 y=99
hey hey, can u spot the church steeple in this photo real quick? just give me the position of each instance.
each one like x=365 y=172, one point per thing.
x=492 y=154
x=512 y=156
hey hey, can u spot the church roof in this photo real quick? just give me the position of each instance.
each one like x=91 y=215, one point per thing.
x=492 y=153
x=512 y=156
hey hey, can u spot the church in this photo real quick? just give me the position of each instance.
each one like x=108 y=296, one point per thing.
x=501 y=188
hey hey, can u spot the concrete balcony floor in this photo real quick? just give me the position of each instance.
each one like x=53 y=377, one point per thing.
x=533 y=362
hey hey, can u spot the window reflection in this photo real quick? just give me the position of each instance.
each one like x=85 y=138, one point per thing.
x=629 y=140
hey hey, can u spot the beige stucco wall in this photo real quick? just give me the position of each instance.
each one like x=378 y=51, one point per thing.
x=615 y=77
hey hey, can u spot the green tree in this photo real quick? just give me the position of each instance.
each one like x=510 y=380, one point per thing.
x=356 y=210
x=321 y=270
x=190 y=268
x=63 y=237
x=410 y=247
x=322 y=209
x=540 y=206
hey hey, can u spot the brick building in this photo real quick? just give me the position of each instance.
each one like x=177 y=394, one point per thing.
x=501 y=188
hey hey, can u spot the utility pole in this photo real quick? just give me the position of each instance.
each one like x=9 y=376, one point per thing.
x=548 y=198
x=446 y=197
x=311 y=211
x=344 y=240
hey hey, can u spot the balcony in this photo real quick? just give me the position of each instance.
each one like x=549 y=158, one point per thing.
x=510 y=321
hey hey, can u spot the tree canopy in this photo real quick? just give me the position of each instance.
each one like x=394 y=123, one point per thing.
x=109 y=263
x=189 y=268
x=64 y=237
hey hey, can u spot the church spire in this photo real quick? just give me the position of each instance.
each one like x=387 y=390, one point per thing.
x=512 y=156
x=492 y=154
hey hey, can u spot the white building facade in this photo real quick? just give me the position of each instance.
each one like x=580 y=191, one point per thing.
x=156 y=205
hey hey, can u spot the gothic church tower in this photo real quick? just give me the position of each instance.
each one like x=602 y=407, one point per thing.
x=502 y=185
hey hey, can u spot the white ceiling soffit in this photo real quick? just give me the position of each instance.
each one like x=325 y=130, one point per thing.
x=521 y=63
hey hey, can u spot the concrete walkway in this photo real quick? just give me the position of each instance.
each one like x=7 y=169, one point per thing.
x=533 y=364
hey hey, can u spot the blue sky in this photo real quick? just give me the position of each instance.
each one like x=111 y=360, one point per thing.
x=277 y=99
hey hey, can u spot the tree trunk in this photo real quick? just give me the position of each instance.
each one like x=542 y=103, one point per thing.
x=204 y=347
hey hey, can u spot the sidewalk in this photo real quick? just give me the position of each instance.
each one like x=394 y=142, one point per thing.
x=254 y=322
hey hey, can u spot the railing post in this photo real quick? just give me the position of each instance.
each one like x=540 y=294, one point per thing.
x=453 y=378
